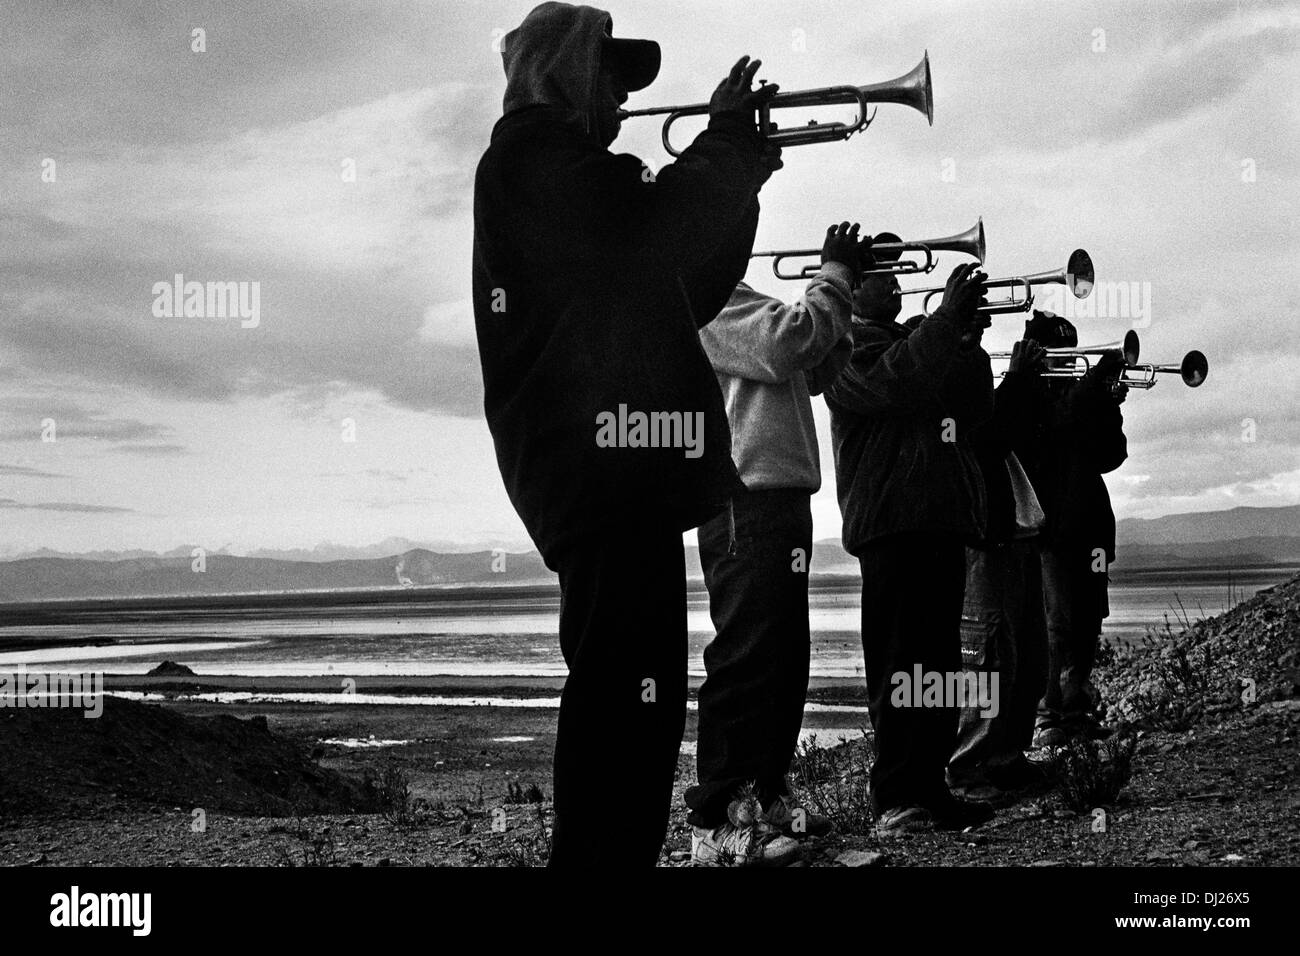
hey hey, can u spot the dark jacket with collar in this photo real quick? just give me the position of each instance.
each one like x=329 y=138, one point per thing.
x=895 y=471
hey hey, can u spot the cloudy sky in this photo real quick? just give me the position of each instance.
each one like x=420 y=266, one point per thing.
x=1161 y=137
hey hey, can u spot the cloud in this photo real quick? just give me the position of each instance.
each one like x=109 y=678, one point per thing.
x=345 y=269
x=229 y=165
x=1192 y=76
x=1228 y=435
x=28 y=413
x=451 y=323
x=1035 y=77
x=153 y=451
x=20 y=471
x=127 y=74
x=11 y=504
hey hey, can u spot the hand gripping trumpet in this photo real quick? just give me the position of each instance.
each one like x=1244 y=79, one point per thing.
x=970 y=243
x=911 y=89
x=1075 y=363
x=1077 y=276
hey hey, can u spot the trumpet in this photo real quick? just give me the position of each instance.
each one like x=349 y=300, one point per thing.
x=970 y=242
x=1193 y=369
x=1074 y=362
x=911 y=89
x=1130 y=347
x=1077 y=275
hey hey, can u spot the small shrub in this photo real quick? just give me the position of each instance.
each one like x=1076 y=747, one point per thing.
x=835 y=782
x=535 y=848
x=391 y=790
x=314 y=849
x=517 y=793
x=1090 y=775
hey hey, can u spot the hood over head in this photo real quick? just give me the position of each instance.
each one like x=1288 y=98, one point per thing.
x=553 y=59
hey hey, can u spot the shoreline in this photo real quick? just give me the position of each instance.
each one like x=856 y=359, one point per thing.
x=439 y=598
x=825 y=689
x=1214 y=780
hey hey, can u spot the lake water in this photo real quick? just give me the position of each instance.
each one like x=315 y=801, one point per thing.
x=502 y=636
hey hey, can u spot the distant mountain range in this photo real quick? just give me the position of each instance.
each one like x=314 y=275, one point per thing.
x=1241 y=536
x=1237 y=536
x=326 y=551
x=1234 y=524
x=38 y=579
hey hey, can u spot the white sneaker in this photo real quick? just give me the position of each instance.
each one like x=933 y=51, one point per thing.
x=729 y=845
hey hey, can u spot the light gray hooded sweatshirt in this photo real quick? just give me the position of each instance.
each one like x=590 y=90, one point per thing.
x=770 y=358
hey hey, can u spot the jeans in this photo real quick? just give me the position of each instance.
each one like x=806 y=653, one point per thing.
x=1074 y=596
x=1003 y=632
x=623 y=710
x=751 y=702
x=911 y=615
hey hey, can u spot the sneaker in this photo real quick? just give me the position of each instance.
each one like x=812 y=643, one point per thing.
x=731 y=845
x=954 y=813
x=900 y=821
x=795 y=821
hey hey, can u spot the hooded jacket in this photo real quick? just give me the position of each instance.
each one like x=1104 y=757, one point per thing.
x=591 y=279
x=895 y=472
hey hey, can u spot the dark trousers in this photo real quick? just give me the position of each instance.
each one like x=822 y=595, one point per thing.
x=1003 y=632
x=1075 y=599
x=623 y=710
x=911 y=615
x=751 y=702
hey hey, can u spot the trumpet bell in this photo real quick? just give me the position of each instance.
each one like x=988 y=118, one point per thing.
x=1132 y=348
x=1194 y=369
x=968 y=243
x=1079 y=275
x=971 y=242
x=912 y=89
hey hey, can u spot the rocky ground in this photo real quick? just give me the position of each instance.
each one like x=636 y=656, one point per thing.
x=1214 y=708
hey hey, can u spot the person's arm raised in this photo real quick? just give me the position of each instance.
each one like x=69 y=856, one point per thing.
x=682 y=215
x=889 y=376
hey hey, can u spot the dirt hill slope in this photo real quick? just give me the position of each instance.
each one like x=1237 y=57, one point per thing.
x=54 y=759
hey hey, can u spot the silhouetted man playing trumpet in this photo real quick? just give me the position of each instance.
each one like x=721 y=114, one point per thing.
x=1004 y=635
x=591 y=280
x=903 y=415
x=770 y=359
x=1081 y=438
